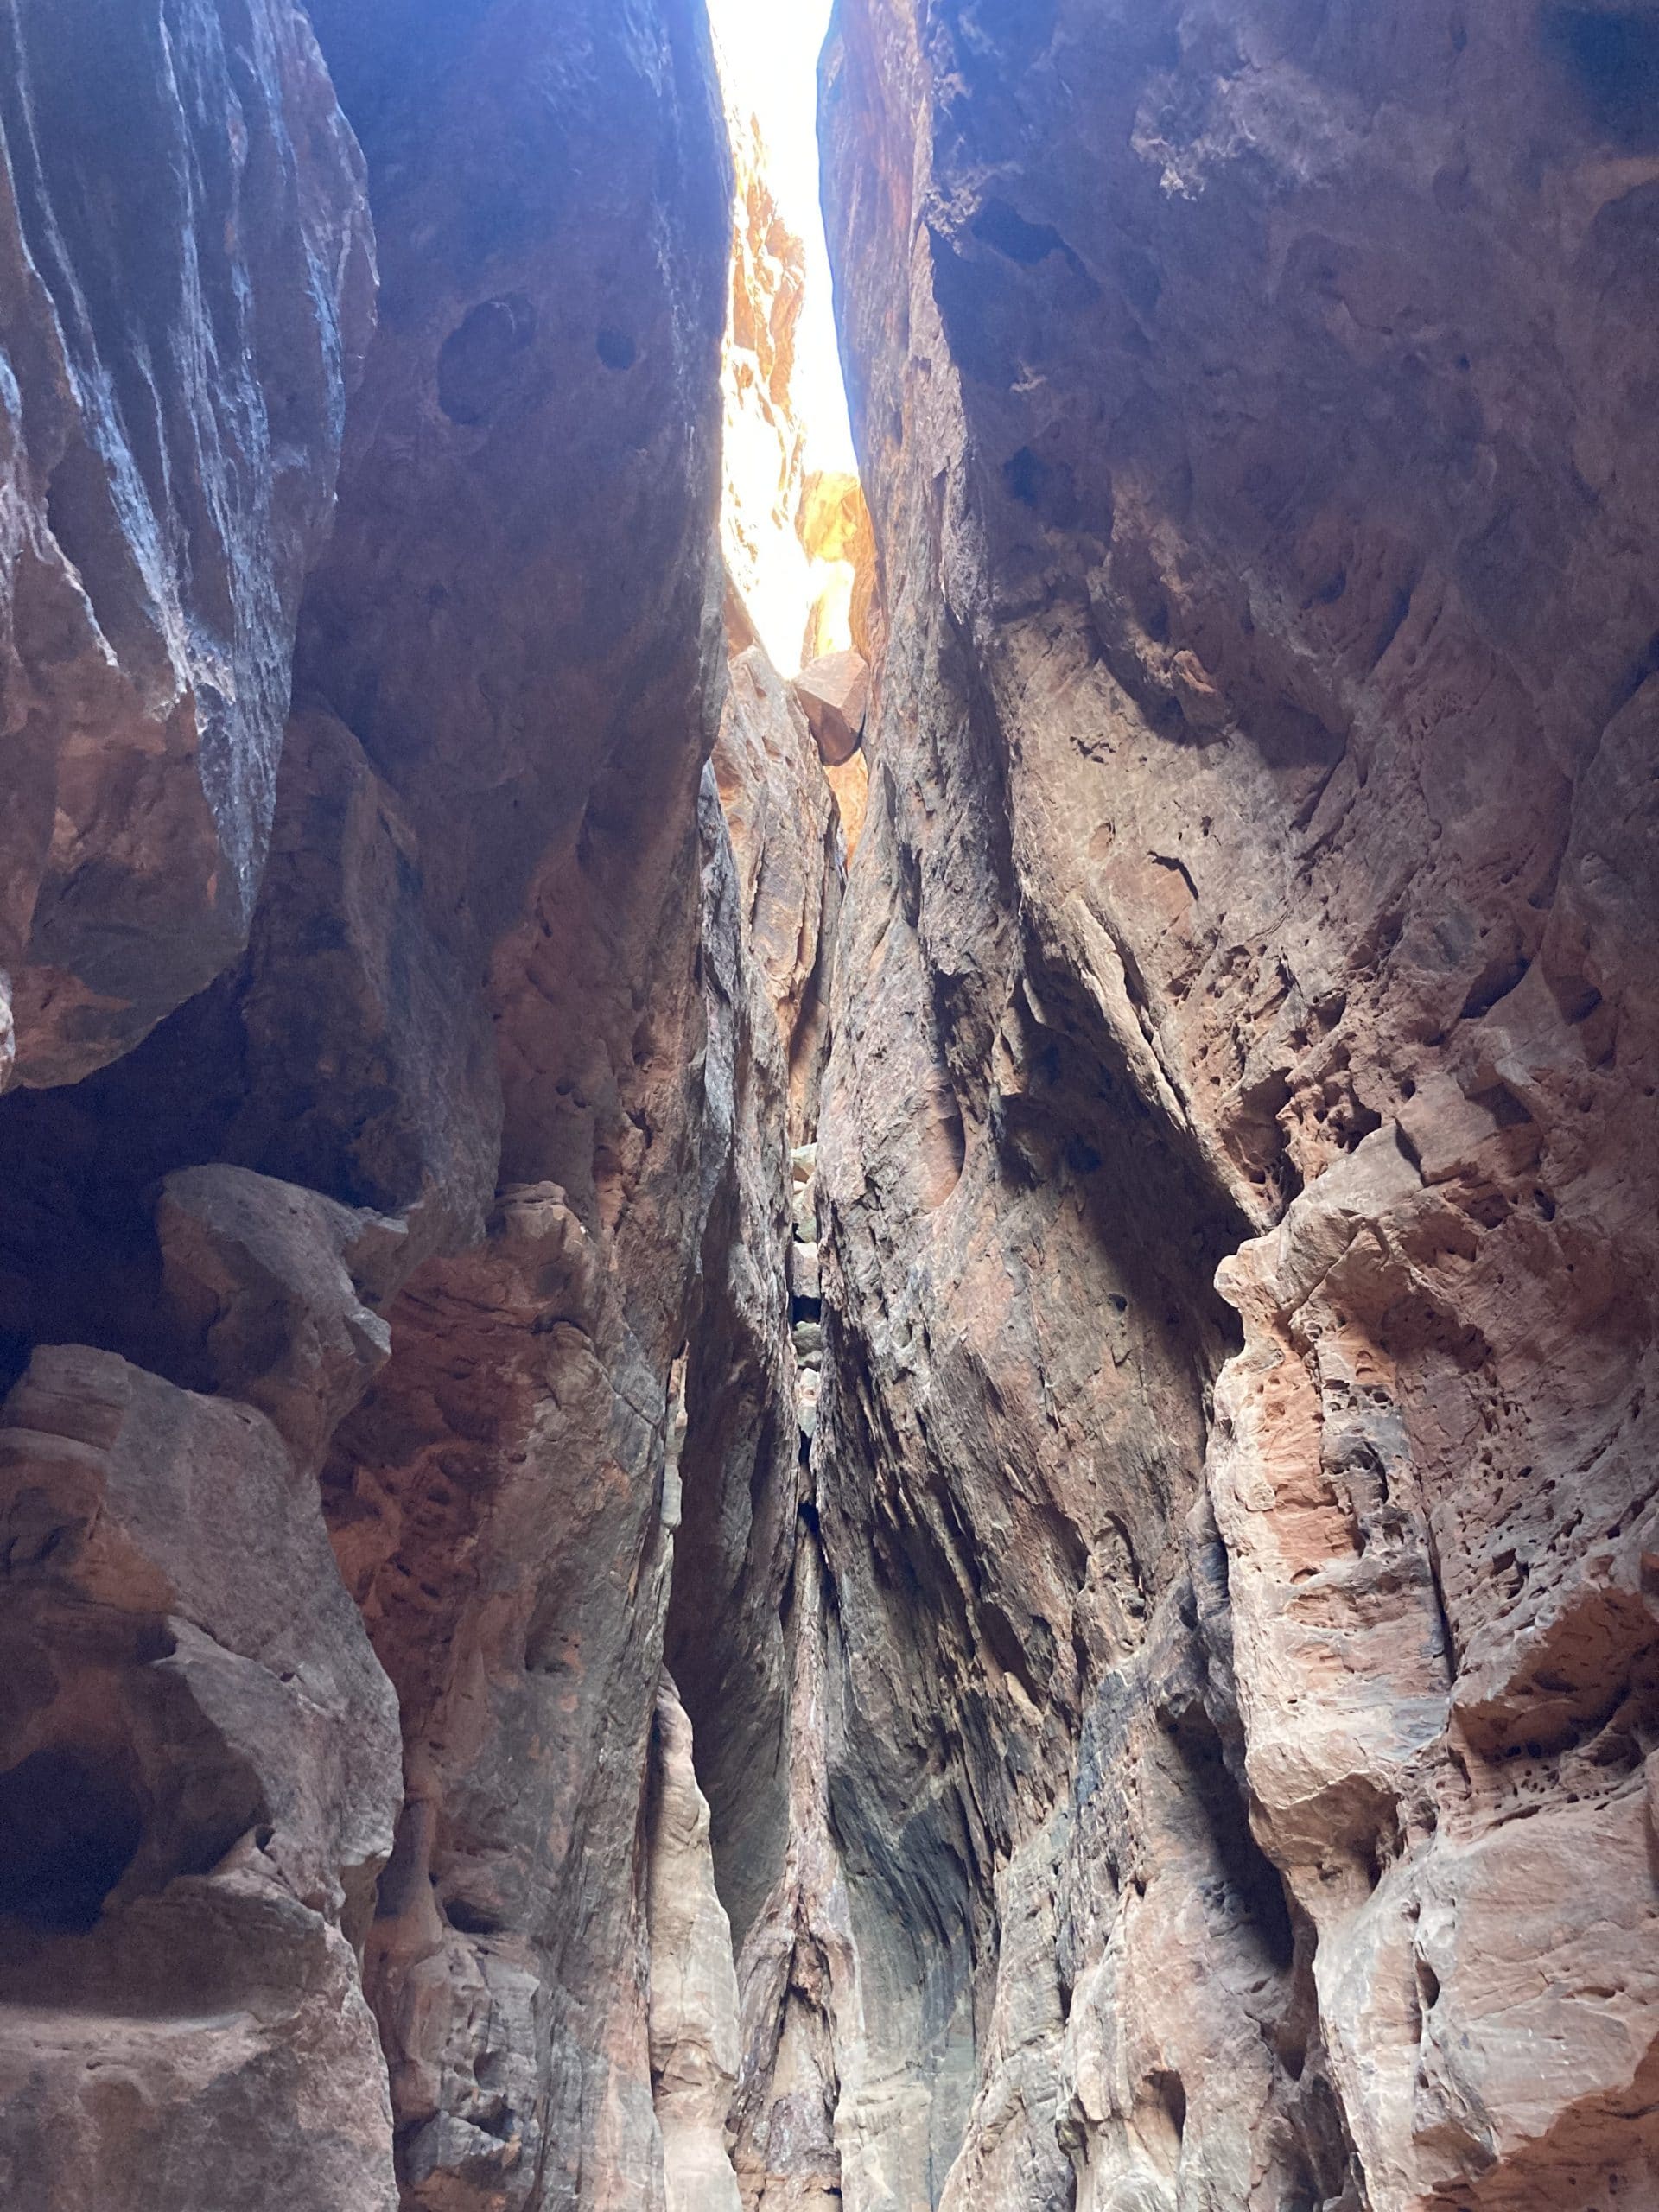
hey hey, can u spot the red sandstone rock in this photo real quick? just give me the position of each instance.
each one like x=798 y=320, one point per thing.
x=265 y=1278
x=513 y=628
x=369 y=1061
x=1253 y=866
x=481 y=934
x=1143 y=1745
x=835 y=692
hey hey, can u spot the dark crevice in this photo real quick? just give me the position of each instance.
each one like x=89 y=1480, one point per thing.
x=70 y=1826
x=1612 y=57
x=1003 y=227
x=1252 y=1881
x=1495 y=982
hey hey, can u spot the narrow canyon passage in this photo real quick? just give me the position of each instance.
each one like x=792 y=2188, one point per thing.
x=827 y=1273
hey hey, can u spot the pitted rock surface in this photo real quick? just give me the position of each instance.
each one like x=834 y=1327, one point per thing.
x=882 y=1442
x=1261 y=804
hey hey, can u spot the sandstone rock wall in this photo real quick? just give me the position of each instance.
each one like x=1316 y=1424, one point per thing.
x=797 y=545
x=448 y=1222
x=764 y=440
x=686 y=1525
x=1237 y=1709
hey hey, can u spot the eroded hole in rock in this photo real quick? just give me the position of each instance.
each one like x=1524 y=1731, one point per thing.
x=70 y=1826
x=481 y=363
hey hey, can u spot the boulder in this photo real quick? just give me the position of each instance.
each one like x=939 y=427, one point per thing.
x=834 y=691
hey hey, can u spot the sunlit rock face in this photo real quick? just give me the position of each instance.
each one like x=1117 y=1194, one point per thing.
x=833 y=526
x=797 y=542
x=186 y=285
x=764 y=442
x=1238 y=1707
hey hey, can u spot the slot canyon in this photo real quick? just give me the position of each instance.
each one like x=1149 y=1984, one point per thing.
x=826 y=1298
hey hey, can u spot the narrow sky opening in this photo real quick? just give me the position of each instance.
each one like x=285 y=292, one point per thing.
x=769 y=54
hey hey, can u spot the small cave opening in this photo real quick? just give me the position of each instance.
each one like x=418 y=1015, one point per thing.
x=616 y=349
x=484 y=359
x=80 y=1262
x=70 y=1826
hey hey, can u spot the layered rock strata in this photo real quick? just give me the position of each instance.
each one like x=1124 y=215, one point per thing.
x=1239 y=1707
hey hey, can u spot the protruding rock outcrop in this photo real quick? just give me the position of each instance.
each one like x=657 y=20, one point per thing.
x=201 y=1769
x=835 y=696
x=186 y=286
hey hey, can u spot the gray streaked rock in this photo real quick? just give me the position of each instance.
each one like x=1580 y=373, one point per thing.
x=187 y=284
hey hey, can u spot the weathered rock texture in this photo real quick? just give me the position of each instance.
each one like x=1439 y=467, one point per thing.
x=684 y=1531
x=1236 y=1765
x=782 y=822
x=465 y=1190
x=201 y=1774
x=186 y=287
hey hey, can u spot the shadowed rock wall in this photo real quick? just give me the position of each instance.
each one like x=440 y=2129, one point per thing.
x=449 y=1222
x=188 y=274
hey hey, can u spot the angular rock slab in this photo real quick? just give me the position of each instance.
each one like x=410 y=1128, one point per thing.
x=834 y=691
